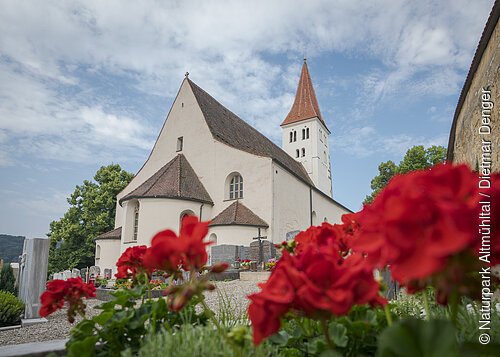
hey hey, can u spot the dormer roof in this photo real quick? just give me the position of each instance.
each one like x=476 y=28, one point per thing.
x=239 y=215
x=177 y=179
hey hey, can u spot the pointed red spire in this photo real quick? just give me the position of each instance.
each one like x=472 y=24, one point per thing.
x=305 y=105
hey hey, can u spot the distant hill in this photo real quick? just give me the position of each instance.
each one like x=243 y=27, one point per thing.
x=11 y=247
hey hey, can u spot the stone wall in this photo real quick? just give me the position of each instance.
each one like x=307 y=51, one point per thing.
x=467 y=147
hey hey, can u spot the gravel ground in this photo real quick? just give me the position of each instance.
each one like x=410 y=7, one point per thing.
x=58 y=327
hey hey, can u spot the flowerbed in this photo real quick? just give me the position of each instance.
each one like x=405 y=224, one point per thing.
x=322 y=297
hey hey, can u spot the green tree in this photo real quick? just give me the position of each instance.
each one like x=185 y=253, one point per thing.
x=91 y=213
x=416 y=158
x=7 y=279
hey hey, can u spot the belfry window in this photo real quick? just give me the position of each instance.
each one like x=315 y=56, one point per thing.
x=136 y=222
x=291 y=136
x=180 y=142
x=294 y=135
x=236 y=187
x=303 y=134
x=307 y=133
x=303 y=152
x=297 y=153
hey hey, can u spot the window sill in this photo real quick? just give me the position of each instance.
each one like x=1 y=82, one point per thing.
x=130 y=242
x=232 y=199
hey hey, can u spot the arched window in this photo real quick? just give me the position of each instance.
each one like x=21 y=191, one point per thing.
x=234 y=186
x=294 y=135
x=291 y=136
x=307 y=133
x=303 y=134
x=213 y=239
x=184 y=213
x=303 y=152
x=97 y=253
x=297 y=152
x=136 y=221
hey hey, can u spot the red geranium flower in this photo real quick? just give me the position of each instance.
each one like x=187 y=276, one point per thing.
x=424 y=225
x=131 y=262
x=316 y=282
x=338 y=236
x=419 y=220
x=168 y=252
x=71 y=291
x=195 y=249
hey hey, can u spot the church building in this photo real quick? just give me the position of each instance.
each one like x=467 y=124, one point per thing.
x=208 y=162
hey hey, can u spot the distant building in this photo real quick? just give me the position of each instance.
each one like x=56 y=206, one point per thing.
x=475 y=132
x=210 y=163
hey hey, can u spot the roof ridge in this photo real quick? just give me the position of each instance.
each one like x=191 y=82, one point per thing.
x=180 y=156
x=236 y=205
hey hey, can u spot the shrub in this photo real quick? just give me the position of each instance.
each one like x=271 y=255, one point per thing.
x=11 y=309
x=7 y=279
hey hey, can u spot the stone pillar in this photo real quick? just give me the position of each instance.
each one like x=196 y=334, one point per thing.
x=33 y=274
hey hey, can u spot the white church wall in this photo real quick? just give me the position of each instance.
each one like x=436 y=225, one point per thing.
x=257 y=183
x=185 y=119
x=290 y=204
x=327 y=210
x=157 y=214
x=235 y=235
x=107 y=253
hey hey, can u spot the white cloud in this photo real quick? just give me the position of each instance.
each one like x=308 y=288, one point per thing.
x=366 y=141
x=423 y=45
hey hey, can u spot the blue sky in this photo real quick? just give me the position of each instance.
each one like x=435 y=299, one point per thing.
x=89 y=83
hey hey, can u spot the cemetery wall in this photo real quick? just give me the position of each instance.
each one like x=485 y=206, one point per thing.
x=465 y=139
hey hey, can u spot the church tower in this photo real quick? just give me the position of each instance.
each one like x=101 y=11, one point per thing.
x=305 y=134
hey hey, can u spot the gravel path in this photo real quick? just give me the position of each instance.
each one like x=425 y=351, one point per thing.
x=229 y=292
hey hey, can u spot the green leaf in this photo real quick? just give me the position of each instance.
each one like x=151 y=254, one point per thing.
x=280 y=338
x=416 y=338
x=103 y=317
x=83 y=348
x=330 y=353
x=338 y=333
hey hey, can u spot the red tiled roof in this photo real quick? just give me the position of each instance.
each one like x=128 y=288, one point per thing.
x=113 y=234
x=226 y=127
x=305 y=105
x=176 y=179
x=239 y=215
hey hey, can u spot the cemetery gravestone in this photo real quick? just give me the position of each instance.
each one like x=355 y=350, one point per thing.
x=75 y=273
x=108 y=273
x=33 y=274
x=83 y=274
x=228 y=253
x=268 y=251
x=94 y=272
x=66 y=274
